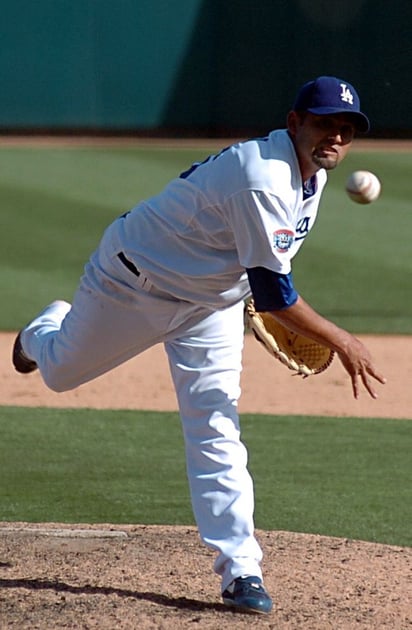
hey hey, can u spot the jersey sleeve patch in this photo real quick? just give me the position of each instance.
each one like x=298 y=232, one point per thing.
x=283 y=240
x=271 y=291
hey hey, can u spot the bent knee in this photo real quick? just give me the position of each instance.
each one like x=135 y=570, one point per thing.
x=60 y=380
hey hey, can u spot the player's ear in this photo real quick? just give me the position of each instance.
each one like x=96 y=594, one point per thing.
x=293 y=121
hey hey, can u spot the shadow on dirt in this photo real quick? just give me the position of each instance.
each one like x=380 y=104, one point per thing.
x=157 y=598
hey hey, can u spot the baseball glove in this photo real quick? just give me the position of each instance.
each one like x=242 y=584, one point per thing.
x=300 y=354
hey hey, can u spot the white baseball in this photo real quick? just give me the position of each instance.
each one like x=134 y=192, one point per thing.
x=363 y=186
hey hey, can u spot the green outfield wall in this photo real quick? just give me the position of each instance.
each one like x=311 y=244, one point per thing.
x=196 y=66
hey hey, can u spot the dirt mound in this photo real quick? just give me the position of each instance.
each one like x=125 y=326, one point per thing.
x=150 y=577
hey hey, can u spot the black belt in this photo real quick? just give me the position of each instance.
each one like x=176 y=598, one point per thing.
x=128 y=263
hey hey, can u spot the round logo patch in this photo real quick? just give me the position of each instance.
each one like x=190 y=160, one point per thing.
x=282 y=240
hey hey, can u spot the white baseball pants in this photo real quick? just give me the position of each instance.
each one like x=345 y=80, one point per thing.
x=115 y=315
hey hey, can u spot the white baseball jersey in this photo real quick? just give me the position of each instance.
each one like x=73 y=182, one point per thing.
x=239 y=209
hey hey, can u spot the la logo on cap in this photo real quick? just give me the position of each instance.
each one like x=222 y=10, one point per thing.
x=346 y=95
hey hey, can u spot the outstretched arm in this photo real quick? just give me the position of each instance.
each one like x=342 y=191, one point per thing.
x=355 y=357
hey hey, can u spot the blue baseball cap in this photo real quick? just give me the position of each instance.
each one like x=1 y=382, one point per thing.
x=329 y=95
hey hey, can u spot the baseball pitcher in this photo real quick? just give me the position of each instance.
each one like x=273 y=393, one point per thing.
x=177 y=270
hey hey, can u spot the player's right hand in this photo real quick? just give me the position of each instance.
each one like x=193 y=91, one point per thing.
x=357 y=361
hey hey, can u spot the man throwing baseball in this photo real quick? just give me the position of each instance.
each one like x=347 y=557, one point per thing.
x=176 y=270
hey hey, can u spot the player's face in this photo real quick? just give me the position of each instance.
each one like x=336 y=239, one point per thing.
x=320 y=141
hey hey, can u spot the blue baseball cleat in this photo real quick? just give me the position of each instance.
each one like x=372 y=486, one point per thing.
x=21 y=363
x=248 y=594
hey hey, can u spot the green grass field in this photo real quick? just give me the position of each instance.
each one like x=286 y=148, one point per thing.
x=341 y=477
x=355 y=266
x=348 y=477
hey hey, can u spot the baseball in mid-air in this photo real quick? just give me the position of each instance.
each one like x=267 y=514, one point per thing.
x=363 y=186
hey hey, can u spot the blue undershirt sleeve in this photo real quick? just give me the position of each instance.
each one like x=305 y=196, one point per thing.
x=271 y=291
